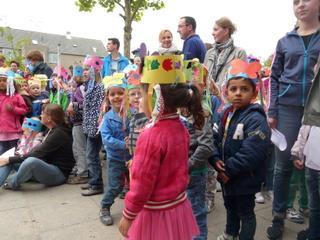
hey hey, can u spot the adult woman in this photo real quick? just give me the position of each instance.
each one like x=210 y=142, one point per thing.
x=166 y=45
x=49 y=163
x=218 y=58
x=291 y=75
x=38 y=65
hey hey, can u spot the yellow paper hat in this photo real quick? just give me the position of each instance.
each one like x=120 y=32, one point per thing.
x=116 y=80
x=42 y=78
x=163 y=69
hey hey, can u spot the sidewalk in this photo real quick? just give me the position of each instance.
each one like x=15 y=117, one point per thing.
x=37 y=213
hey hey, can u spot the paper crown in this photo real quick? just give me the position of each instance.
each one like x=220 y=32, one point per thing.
x=61 y=71
x=19 y=79
x=77 y=71
x=39 y=79
x=32 y=124
x=242 y=69
x=116 y=80
x=3 y=74
x=163 y=69
x=93 y=61
x=194 y=71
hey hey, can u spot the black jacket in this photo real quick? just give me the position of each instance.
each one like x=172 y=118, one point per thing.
x=43 y=68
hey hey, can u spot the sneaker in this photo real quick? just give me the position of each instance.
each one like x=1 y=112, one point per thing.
x=275 y=231
x=295 y=216
x=259 y=198
x=77 y=180
x=105 y=216
x=226 y=236
x=303 y=235
x=210 y=206
x=8 y=186
x=92 y=191
x=85 y=187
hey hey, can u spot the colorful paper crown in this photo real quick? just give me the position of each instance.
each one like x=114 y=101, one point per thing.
x=242 y=69
x=93 y=61
x=194 y=71
x=3 y=74
x=77 y=71
x=19 y=79
x=163 y=69
x=61 y=71
x=39 y=79
x=116 y=80
x=32 y=124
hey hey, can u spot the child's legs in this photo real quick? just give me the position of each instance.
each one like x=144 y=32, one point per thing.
x=115 y=175
x=233 y=220
x=196 y=192
x=293 y=187
x=303 y=197
x=245 y=209
x=313 y=186
x=79 y=153
x=6 y=145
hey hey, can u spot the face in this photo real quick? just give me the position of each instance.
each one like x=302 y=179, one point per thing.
x=86 y=74
x=25 y=86
x=183 y=29
x=134 y=97
x=220 y=34
x=240 y=93
x=1 y=63
x=111 y=47
x=14 y=67
x=306 y=10
x=166 y=40
x=137 y=61
x=3 y=83
x=116 y=97
x=45 y=118
x=35 y=90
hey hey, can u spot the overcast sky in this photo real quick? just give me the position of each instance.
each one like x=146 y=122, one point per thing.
x=260 y=23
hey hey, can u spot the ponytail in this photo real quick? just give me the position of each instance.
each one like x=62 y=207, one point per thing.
x=195 y=107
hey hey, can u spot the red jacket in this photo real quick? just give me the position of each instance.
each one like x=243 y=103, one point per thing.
x=10 y=120
x=160 y=166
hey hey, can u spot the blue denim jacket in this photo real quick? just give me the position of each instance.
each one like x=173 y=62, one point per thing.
x=106 y=69
x=292 y=71
x=113 y=133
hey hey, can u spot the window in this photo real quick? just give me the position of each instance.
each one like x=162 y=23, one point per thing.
x=53 y=58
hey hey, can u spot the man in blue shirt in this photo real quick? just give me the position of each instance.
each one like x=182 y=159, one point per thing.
x=114 y=62
x=193 y=47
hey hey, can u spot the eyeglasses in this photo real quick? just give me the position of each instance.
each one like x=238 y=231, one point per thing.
x=181 y=26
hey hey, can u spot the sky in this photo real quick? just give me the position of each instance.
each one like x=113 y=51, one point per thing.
x=260 y=23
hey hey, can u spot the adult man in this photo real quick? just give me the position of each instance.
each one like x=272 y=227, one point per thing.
x=114 y=62
x=193 y=47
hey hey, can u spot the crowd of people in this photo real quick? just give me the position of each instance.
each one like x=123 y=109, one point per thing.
x=175 y=127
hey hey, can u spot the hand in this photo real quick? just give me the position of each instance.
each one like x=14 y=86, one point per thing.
x=272 y=122
x=299 y=164
x=45 y=101
x=124 y=226
x=9 y=107
x=4 y=161
x=70 y=111
x=219 y=166
x=222 y=177
x=126 y=140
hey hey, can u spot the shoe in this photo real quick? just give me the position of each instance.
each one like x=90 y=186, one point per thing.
x=77 y=180
x=91 y=191
x=275 y=231
x=259 y=198
x=295 y=216
x=226 y=236
x=105 y=216
x=210 y=206
x=8 y=186
x=85 y=187
x=303 y=235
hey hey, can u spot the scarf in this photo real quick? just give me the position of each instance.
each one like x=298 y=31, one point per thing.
x=166 y=51
x=220 y=54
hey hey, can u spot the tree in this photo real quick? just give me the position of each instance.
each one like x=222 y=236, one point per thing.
x=132 y=10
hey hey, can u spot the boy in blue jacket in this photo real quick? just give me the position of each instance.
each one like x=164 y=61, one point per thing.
x=241 y=150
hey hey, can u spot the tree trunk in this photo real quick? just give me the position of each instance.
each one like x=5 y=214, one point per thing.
x=127 y=29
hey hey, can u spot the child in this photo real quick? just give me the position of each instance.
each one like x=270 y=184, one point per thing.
x=12 y=108
x=57 y=94
x=38 y=97
x=113 y=133
x=23 y=89
x=242 y=150
x=305 y=152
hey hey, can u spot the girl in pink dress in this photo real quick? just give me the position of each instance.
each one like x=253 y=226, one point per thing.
x=156 y=207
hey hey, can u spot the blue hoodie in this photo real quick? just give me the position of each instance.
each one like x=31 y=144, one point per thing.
x=106 y=69
x=292 y=71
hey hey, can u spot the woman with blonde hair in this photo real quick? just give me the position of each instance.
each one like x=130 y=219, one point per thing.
x=166 y=46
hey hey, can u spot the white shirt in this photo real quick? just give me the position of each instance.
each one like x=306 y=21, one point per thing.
x=312 y=149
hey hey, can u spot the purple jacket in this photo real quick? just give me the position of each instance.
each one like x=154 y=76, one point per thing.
x=77 y=104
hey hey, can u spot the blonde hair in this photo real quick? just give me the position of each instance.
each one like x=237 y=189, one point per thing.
x=225 y=22
x=163 y=32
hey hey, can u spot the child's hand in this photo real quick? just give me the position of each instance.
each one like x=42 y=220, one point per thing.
x=9 y=107
x=70 y=111
x=126 y=140
x=299 y=164
x=219 y=166
x=124 y=226
x=45 y=101
x=222 y=177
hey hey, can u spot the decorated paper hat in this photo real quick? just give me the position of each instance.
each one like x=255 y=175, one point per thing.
x=32 y=124
x=242 y=69
x=77 y=70
x=163 y=69
x=195 y=71
x=116 y=80
x=93 y=61
x=3 y=74
x=61 y=71
x=39 y=79
x=19 y=79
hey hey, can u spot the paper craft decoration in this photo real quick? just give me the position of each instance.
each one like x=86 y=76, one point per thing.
x=129 y=68
x=116 y=80
x=93 y=61
x=77 y=71
x=164 y=69
x=278 y=139
x=39 y=79
x=243 y=69
x=61 y=71
x=194 y=71
x=134 y=78
x=32 y=124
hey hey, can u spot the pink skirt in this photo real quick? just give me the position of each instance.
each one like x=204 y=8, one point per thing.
x=170 y=224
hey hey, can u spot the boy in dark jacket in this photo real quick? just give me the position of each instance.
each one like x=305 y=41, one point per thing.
x=241 y=150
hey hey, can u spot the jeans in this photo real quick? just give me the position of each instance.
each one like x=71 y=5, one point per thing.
x=93 y=146
x=115 y=174
x=240 y=210
x=6 y=170
x=298 y=182
x=196 y=192
x=313 y=186
x=289 y=123
x=6 y=145
x=38 y=170
x=79 y=150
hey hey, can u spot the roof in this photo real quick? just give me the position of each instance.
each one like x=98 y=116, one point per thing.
x=73 y=46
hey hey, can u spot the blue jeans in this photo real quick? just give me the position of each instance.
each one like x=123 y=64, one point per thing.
x=115 y=175
x=6 y=170
x=93 y=146
x=240 y=209
x=289 y=123
x=38 y=170
x=196 y=192
x=6 y=145
x=313 y=186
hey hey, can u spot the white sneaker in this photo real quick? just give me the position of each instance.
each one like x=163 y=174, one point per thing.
x=259 y=198
x=225 y=236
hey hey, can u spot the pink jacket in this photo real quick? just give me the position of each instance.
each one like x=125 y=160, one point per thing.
x=10 y=120
x=160 y=166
